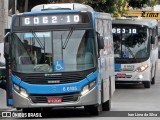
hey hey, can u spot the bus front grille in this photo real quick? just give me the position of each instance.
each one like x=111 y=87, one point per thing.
x=65 y=97
x=54 y=78
x=59 y=79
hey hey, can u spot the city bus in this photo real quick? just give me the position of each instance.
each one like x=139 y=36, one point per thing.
x=60 y=55
x=135 y=50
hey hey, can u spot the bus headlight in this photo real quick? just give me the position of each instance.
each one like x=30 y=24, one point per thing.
x=16 y=87
x=88 y=87
x=85 y=89
x=23 y=92
x=20 y=90
x=142 y=68
x=92 y=84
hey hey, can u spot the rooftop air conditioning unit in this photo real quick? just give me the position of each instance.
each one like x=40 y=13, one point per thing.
x=65 y=6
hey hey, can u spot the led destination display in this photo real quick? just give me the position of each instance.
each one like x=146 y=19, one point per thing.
x=41 y=20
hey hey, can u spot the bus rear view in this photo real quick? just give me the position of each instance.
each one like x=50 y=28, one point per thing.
x=135 y=49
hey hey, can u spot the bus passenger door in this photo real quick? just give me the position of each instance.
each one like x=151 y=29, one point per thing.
x=104 y=77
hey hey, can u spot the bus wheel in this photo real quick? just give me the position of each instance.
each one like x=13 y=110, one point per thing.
x=153 y=81
x=92 y=109
x=106 y=106
x=147 y=84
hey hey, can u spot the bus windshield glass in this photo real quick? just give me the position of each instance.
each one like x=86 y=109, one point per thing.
x=53 y=51
x=130 y=42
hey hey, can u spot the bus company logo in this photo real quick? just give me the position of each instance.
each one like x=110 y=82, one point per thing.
x=54 y=89
x=19 y=115
x=50 y=75
x=54 y=81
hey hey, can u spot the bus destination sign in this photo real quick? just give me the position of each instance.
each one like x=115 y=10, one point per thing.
x=41 y=20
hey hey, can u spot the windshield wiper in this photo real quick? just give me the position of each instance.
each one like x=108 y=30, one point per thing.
x=38 y=40
x=68 y=37
x=130 y=51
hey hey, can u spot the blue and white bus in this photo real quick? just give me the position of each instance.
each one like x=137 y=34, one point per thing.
x=60 y=57
x=136 y=50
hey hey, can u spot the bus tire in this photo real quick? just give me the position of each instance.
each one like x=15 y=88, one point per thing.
x=153 y=81
x=106 y=106
x=147 y=84
x=92 y=109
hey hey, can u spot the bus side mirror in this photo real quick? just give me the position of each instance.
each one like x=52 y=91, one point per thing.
x=6 y=44
x=152 y=40
x=6 y=49
x=100 y=41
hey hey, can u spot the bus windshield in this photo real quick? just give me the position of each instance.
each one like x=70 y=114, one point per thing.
x=130 y=42
x=53 y=51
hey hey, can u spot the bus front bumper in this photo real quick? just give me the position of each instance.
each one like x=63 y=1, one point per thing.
x=133 y=77
x=89 y=98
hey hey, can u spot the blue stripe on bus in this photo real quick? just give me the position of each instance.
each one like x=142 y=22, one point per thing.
x=117 y=66
x=10 y=102
x=55 y=88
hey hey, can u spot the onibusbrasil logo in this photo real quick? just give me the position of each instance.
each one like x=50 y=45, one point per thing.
x=10 y=114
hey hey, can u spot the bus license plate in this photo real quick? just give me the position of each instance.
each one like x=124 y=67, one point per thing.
x=119 y=75
x=54 y=100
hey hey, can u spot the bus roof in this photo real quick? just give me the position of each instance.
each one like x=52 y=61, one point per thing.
x=136 y=21
x=65 y=6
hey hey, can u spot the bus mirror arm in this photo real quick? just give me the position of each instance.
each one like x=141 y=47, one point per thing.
x=152 y=40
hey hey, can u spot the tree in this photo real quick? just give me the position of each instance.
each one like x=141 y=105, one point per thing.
x=115 y=7
x=141 y=3
x=120 y=7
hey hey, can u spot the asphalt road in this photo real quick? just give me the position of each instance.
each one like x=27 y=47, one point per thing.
x=126 y=98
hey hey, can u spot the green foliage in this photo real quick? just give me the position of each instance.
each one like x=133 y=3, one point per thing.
x=140 y=3
x=153 y=2
x=103 y=6
x=120 y=7
x=115 y=7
